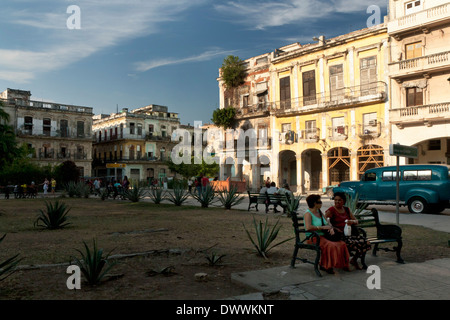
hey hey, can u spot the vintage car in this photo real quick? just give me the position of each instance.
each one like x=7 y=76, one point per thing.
x=424 y=188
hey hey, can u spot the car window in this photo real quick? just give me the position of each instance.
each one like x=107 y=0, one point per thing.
x=370 y=176
x=389 y=176
x=417 y=175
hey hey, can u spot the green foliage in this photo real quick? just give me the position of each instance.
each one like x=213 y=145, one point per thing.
x=180 y=194
x=352 y=203
x=157 y=194
x=265 y=235
x=9 y=150
x=93 y=264
x=224 y=117
x=293 y=202
x=233 y=71
x=77 y=189
x=193 y=169
x=67 y=172
x=7 y=267
x=206 y=196
x=135 y=193
x=214 y=259
x=230 y=198
x=54 y=217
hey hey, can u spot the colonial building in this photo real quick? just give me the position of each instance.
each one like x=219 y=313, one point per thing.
x=135 y=143
x=251 y=101
x=420 y=77
x=57 y=132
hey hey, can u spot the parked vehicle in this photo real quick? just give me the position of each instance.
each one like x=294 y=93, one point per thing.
x=424 y=188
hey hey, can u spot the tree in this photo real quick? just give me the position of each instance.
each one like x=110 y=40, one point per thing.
x=233 y=71
x=224 y=117
x=192 y=169
x=8 y=145
x=67 y=171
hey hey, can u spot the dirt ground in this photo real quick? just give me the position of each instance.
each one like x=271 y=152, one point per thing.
x=170 y=246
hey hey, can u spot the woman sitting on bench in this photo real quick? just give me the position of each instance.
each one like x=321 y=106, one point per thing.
x=334 y=254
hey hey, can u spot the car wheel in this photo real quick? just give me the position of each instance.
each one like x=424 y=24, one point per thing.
x=417 y=205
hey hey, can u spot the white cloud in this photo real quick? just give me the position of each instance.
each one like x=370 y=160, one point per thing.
x=260 y=14
x=155 y=63
x=103 y=24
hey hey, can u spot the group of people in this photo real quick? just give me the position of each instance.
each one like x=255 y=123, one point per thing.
x=335 y=246
x=271 y=188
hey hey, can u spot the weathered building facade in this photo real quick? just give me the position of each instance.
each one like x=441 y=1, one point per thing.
x=420 y=77
x=57 y=132
x=134 y=143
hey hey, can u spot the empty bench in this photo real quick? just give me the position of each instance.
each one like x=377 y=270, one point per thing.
x=385 y=233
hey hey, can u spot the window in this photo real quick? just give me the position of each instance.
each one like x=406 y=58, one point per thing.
x=434 y=145
x=309 y=87
x=368 y=75
x=416 y=175
x=285 y=127
x=413 y=50
x=413 y=6
x=28 y=125
x=139 y=129
x=337 y=82
x=370 y=176
x=64 y=128
x=370 y=123
x=245 y=101
x=338 y=127
x=80 y=129
x=389 y=176
x=310 y=131
x=46 y=126
x=285 y=93
x=132 y=127
x=414 y=97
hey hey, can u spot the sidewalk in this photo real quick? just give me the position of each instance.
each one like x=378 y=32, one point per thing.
x=410 y=281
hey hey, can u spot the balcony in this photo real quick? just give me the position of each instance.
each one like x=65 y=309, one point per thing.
x=252 y=111
x=345 y=97
x=426 y=64
x=310 y=135
x=420 y=115
x=50 y=134
x=369 y=131
x=338 y=133
x=422 y=20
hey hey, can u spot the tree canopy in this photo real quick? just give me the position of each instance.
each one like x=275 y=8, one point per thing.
x=233 y=71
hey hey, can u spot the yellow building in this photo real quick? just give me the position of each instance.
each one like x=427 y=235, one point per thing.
x=329 y=109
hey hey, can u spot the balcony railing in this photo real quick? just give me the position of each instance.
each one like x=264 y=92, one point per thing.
x=51 y=105
x=419 y=19
x=21 y=132
x=371 y=92
x=425 y=114
x=369 y=131
x=430 y=62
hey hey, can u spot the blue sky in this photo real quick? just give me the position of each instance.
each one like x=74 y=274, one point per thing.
x=132 y=53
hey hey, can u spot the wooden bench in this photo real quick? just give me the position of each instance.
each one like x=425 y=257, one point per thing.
x=302 y=242
x=385 y=233
x=267 y=200
x=256 y=198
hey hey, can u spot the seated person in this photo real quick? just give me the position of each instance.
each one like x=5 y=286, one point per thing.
x=274 y=190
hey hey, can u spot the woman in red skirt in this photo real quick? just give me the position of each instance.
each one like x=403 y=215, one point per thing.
x=334 y=254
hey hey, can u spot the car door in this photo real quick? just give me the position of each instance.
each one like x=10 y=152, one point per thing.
x=387 y=185
x=369 y=188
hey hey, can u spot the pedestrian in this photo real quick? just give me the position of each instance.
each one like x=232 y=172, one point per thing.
x=45 y=185
x=357 y=244
x=125 y=183
x=334 y=254
x=53 y=184
x=190 y=185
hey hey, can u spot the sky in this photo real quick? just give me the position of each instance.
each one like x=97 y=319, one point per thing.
x=114 y=54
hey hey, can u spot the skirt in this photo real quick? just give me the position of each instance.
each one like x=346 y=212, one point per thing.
x=334 y=254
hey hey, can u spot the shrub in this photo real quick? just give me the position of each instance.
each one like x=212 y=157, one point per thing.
x=214 y=259
x=206 y=196
x=135 y=194
x=293 y=202
x=157 y=194
x=265 y=235
x=7 y=267
x=230 y=198
x=179 y=195
x=93 y=264
x=54 y=217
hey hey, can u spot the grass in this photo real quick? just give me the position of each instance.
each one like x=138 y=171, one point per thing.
x=135 y=227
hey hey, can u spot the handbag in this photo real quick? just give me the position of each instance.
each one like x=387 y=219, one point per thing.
x=337 y=236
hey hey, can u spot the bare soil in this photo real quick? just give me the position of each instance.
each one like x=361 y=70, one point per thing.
x=159 y=249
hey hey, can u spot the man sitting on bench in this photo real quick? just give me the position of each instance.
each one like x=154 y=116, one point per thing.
x=273 y=190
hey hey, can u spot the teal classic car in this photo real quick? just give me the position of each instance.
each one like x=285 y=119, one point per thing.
x=424 y=188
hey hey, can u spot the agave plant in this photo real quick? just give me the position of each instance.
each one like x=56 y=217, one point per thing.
x=157 y=194
x=54 y=217
x=293 y=202
x=214 y=258
x=179 y=195
x=135 y=194
x=355 y=207
x=230 y=198
x=206 y=196
x=265 y=236
x=7 y=267
x=93 y=264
